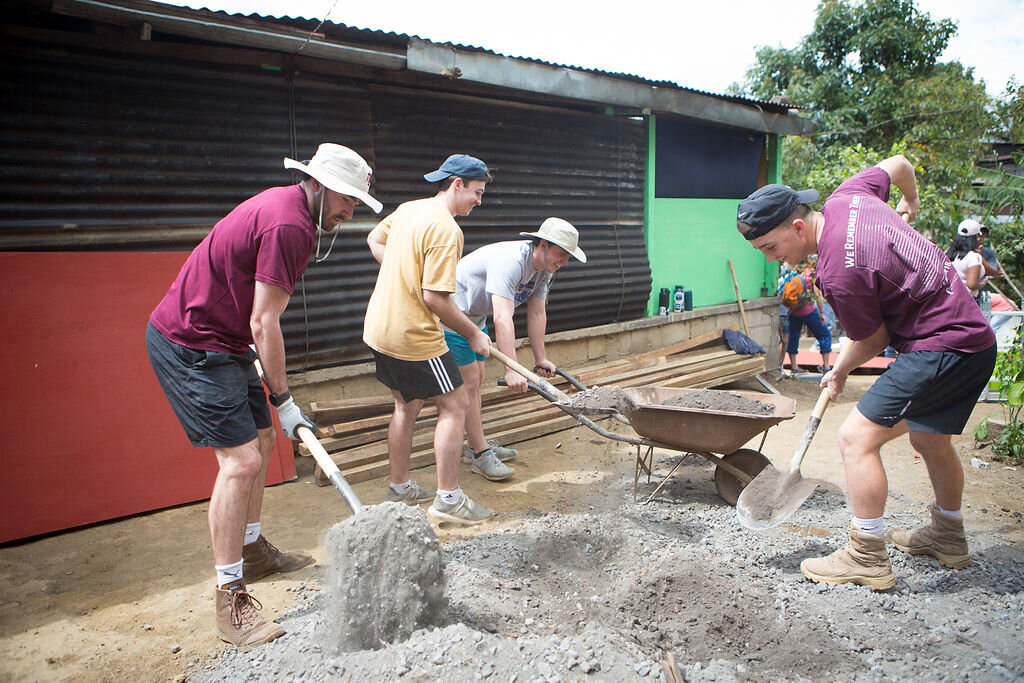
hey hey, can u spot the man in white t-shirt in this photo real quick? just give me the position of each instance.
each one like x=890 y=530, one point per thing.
x=493 y=280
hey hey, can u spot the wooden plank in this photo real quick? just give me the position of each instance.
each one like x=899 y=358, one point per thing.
x=645 y=375
x=371 y=470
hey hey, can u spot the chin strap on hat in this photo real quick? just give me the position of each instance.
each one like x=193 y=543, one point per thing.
x=320 y=231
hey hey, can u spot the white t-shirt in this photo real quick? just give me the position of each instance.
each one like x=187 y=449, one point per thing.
x=962 y=263
x=502 y=268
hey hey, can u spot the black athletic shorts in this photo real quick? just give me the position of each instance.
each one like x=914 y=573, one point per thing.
x=218 y=397
x=418 y=379
x=934 y=391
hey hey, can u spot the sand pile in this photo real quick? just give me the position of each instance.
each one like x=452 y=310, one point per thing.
x=385 y=577
x=726 y=401
x=603 y=398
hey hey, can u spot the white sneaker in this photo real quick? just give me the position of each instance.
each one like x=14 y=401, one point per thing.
x=415 y=495
x=489 y=467
x=504 y=454
x=463 y=511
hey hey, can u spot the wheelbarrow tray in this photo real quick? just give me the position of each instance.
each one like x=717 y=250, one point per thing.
x=699 y=430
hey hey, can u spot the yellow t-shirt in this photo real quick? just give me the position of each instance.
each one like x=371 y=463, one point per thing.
x=423 y=246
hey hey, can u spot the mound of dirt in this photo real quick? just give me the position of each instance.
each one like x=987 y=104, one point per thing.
x=385 y=578
x=605 y=595
x=726 y=401
x=600 y=398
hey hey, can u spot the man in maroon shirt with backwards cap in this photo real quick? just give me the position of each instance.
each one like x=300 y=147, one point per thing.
x=231 y=293
x=888 y=286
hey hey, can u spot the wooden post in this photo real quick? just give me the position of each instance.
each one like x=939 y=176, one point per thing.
x=739 y=299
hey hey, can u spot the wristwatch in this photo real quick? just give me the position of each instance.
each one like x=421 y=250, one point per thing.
x=277 y=399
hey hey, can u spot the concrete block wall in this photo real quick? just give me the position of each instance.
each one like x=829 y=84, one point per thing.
x=574 y=348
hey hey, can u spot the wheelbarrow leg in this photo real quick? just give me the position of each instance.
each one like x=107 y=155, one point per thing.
x=665 y=480
x=643 y=463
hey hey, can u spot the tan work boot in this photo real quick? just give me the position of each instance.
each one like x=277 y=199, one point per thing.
x=943 y=539
x=261 y=558
x=239 y=622
x=863 y=561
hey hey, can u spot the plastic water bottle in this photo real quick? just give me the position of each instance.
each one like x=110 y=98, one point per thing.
x=664 y=299
x=678 y=299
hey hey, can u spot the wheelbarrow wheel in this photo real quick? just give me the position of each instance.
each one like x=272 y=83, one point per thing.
x=746 y=460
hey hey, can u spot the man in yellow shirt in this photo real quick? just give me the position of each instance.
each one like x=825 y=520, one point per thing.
x=418 y=247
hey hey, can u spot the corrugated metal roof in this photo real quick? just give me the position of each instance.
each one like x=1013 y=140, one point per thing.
x=381 y=38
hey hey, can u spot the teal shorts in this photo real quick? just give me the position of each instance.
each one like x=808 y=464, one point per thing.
x=459 y=346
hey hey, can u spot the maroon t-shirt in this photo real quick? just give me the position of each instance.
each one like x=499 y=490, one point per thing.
x=874 y=269
x=268 y=238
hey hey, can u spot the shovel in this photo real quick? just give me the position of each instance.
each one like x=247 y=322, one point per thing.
x=772 y=496
x=564 y=401
x=323 y=459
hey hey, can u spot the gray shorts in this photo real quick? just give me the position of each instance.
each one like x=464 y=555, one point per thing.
x=934 y=391
x=218 y=397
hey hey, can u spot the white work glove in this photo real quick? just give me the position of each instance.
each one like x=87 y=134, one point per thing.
x=292 y=418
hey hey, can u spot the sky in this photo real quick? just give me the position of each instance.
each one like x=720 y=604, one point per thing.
x=705 y=46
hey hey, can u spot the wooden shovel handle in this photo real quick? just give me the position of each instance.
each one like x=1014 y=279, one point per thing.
x=539 y=381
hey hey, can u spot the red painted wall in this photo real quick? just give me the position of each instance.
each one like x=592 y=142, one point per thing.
x=88 y=435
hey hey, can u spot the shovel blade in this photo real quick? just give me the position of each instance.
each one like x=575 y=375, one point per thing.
x=771 y=497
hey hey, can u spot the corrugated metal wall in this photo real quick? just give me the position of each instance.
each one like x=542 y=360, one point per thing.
x=112 y=151
x=585 y=168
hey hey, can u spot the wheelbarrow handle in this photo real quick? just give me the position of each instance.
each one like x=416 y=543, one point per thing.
x=570 y=379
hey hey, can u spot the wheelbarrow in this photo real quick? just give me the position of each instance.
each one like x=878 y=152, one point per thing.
x=715 y=435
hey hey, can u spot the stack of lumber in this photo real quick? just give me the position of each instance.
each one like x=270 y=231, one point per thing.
x=354 y=431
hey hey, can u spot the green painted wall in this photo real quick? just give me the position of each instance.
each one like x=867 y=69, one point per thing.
x=690 y=242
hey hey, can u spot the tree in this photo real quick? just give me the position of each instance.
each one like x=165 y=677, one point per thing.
x=869 y=74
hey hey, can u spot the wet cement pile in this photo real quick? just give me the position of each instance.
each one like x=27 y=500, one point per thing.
x=385 y=577
x=604 y=595
x=601 y=398
x=726 y=401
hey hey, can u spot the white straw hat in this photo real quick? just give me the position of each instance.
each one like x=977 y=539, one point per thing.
x=562 y=233
x=339 y=169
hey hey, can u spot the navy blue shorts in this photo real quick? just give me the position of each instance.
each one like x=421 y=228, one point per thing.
x=218 y=397
x=418 y=379
x=934 y=391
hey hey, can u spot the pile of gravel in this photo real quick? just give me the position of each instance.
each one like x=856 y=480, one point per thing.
x=606 y=595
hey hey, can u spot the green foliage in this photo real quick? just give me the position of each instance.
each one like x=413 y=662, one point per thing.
x=1009 y=374
x=869 y=74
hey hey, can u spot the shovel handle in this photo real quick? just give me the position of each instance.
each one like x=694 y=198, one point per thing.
x=330 y=468
x=533 y=377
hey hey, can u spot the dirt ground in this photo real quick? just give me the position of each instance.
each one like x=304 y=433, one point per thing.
x=133 y=599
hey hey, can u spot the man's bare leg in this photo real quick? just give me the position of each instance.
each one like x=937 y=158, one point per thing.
x=400 y=431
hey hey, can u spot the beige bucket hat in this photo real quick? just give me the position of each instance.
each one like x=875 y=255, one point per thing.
x=562 y=233
x=340 y=169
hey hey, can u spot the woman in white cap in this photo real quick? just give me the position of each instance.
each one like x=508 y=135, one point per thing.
x=965 y=256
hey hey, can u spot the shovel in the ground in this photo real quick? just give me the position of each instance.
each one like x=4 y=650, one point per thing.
x=323 y=459
x=774 y=495
x=562 y=400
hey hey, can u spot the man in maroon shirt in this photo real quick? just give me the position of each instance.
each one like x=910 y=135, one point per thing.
x=888 y=286
x=231 y=293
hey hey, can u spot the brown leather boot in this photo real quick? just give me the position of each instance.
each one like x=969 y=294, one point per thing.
x=863 y=561
x=261 y=558
x=238 y=619
x=943 y=539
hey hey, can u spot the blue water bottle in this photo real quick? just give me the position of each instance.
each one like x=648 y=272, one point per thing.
x=678 y=299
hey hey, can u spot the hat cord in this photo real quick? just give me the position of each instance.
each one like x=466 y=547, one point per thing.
x=320 y=231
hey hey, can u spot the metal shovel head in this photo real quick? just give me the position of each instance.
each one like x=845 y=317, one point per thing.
x=575 y=410
x=771 y=497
